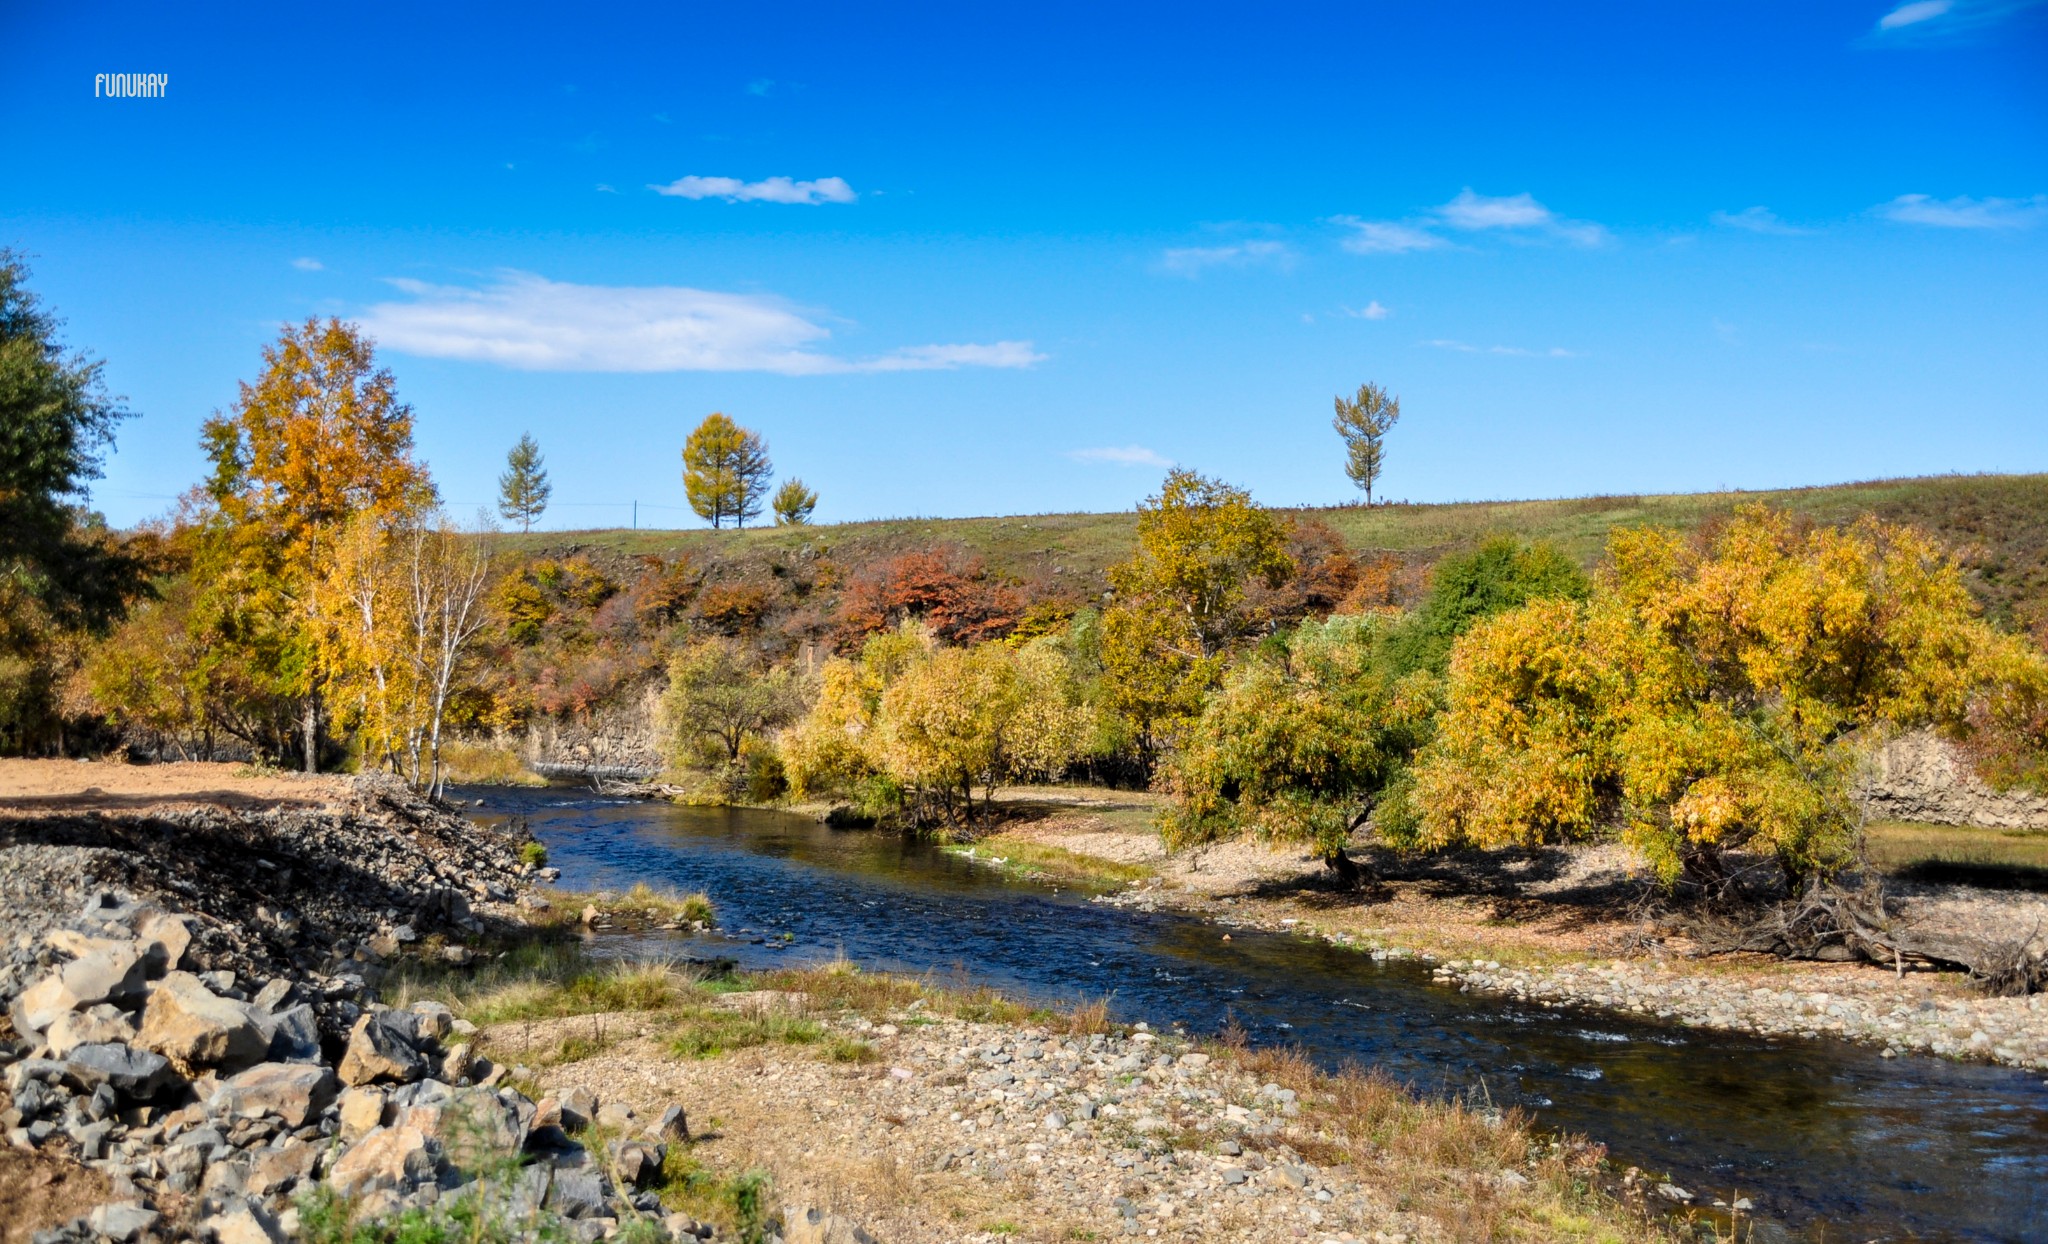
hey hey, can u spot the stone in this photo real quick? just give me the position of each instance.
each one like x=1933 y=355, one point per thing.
x=377 y=1052
x=100 y=1025
x=579 y=1108
x=455 y=1064
x=122 y=1220
x=459 y=956
x=389 y=1159
x=131 y=1072
x=273 y=995
x=577 y=1193
x=165 y=938
x=1672 y=1192
x=244 y=1223
x=672 y=1125
x=815 y=1226
x=636 y=1161
x=463 y=1118
x=361 y=1110
x=195 y=1029
x=1235 y=1176
x=183 y=1166
x=434 y=1021
x=616 y=1116
x=288 y=1092
x=294 y=1036
x=283 y=1167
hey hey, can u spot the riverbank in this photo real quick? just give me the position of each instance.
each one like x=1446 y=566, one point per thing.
x=254 y=1007
x=1554 y=927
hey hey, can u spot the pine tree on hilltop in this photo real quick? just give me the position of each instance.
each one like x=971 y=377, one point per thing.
x=794 y=503
x=523 y=489
x=1363 y=422
x=725 y=471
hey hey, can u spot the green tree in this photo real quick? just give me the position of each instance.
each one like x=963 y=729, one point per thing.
x=794 y=503
x=1363 y=421
x=523 y=489
x=725 y=471
x=1501 y=574
x=720 y=696
x=56 y=419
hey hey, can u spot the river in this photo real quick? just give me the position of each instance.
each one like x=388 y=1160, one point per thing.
x=1830 y=1141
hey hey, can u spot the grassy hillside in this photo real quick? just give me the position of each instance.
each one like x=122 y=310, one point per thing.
x=1996 y=524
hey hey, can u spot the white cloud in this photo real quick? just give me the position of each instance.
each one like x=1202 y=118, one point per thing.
x=1465 y=347
x=1967 y=213
x=1192 y=261
x=1757 y=220
x=768 y=190
x=1473 y=212
x=1125 y=455
x=529 y=323
x=1386 y=237
x=1370 y=311
x=1914 y=13
x=307 y=264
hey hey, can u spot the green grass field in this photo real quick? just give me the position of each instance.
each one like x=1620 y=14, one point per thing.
x=2003 y=858
x=1996 y=524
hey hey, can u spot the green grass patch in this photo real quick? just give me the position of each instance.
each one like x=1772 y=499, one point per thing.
x=1024 y=858
x=708 y=1032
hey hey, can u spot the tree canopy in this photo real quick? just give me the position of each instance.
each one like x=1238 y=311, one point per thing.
x=725 y=471
x=523 y=489
x=1364 y=420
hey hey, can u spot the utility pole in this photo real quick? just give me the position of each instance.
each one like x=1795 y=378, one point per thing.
x=636 y=516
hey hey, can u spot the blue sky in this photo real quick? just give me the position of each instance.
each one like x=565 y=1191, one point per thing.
x=968 y=259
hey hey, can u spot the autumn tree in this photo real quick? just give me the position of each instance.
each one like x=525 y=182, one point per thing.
x=725 y=471
x=720 y=694
x=1180 y=600
x=1710 y=695
x=950 y=591
x=1300 y=742
x=1364 y=420
x=793 y=503
x=319 y=438
x=523 y=489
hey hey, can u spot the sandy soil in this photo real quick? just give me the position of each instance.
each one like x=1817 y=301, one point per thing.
x=39 y=1190
x=40 y=787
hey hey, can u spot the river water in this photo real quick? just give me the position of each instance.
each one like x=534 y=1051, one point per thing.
x=1830 y=1141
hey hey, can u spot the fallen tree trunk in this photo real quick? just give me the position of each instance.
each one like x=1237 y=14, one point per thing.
x=1832 y=924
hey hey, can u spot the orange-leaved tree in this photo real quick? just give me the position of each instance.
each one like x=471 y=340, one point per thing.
x=317 y=440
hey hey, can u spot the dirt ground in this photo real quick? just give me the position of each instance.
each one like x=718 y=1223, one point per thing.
x=41 y=787
x=38 y=1191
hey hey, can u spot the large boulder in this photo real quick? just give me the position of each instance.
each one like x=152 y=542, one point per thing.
x=99 y=1025
x=380 y=1051
x=128 y=1071
x=108 y=971
x=294 y=1036
x=194 y=1028
x=812 y=1225
x=390 y=1159
x=290 y=1092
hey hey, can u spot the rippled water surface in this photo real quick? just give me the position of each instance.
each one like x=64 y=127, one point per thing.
x=1829 y=1140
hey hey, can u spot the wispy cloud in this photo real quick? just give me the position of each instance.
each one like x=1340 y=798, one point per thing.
x=1124 y=455
x=1914 y=13
x=1370 y=311
x=1192 y=261
x=530 y=323
x=1967 y=213
x=1922 y=20
x=306 y=263
x=1386 y=237
x=768 y=190
x=760 y=86
x=1518 y=212
x=1466 y=347
x=1758 y=220
x=1470 y=212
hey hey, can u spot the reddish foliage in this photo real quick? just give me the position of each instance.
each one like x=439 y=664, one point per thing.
x=732 y=608
x=951 y=593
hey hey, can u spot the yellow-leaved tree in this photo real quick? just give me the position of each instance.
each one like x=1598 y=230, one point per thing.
x=1180 y=602
x=1714 y=693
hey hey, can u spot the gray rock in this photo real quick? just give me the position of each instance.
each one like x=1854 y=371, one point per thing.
x=1235 y=1176
x=379 y=1051
x=673 y=1124
x=615 y=1116
x=579 y=1109
x=131 y=1072
x=273 y=995
x=243 y=1223
x=187 y=1023
x=394 y=1159
x=288 y=1092
x=636 y=1161
x=294 y=1036
x=183 y=1167
x=122 y=1220
x=577 y=1194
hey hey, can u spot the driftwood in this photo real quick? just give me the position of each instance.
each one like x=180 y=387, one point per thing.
x=1834 y=924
